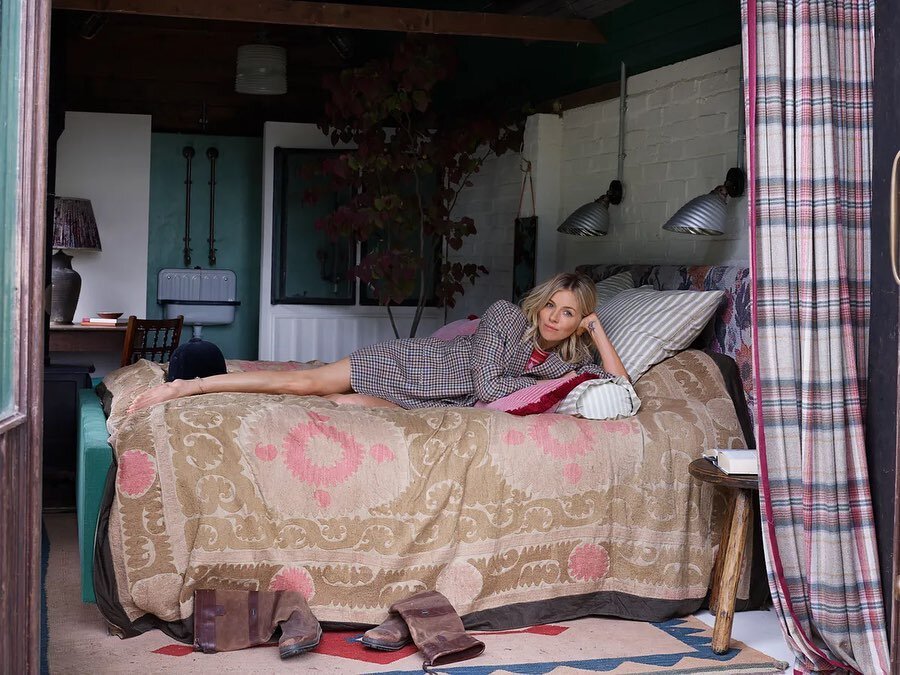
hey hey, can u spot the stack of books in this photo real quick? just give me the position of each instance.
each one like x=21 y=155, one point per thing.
x=99 y=321
x=734 y=461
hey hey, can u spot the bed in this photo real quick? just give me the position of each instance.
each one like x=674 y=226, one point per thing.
x=518 y=520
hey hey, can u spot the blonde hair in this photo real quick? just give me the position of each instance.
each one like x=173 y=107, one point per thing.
x=576 y=348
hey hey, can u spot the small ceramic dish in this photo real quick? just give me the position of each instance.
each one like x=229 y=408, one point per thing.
x=109 y=315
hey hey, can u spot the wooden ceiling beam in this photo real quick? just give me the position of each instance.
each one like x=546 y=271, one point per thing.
x=361 y=17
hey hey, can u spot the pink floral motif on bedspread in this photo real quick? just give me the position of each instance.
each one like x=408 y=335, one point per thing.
x=136 y=473
x=588 y=562
x=266 y=452
x=293 y=579
x=561 y=436
x=299 y=456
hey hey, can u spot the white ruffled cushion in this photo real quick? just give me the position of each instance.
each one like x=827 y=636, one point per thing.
x=601 y=400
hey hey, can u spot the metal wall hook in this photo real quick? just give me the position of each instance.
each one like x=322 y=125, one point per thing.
x=213 y=155
x=188 y=153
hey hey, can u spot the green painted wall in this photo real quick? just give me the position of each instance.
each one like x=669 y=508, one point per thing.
x=500 y=73
x=238 y=211
x=645 y=34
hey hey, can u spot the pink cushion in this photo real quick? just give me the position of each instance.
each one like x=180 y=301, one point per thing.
x=543 y=396
x=456 y=328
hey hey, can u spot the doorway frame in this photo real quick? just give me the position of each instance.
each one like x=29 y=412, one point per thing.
x=20 y=432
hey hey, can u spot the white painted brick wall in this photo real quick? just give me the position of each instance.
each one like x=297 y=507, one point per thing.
x=680 y=139
x=491 y=202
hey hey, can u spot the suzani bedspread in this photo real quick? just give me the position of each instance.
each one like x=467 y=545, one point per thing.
x=514 y=519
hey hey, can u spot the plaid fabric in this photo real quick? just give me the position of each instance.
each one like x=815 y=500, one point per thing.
x=428 y=372
x=809 y=73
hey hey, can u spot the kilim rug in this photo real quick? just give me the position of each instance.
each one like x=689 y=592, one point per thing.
x=78 y=642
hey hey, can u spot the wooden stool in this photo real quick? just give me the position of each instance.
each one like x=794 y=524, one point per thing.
x=730 y=557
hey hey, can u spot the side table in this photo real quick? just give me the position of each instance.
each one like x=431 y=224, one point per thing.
x=74 y=337
x=730 y=557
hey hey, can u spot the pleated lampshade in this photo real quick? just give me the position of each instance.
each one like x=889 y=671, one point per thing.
x=74 y=225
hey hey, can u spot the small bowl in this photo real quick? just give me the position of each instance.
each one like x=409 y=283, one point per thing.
x=109 y=315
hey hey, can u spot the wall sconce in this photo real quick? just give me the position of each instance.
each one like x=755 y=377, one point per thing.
x=592 y=219
x=706 y=214
x=74 y=228
x=261 y=69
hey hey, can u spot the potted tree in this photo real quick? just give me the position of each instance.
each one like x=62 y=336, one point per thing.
x=405 y=174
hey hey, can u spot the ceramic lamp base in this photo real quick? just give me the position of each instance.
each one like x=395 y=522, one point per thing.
x=66 y=287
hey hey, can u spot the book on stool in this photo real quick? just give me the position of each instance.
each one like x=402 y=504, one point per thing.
x=734 y=461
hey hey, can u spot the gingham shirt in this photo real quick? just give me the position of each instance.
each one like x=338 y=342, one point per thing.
x=428 y=372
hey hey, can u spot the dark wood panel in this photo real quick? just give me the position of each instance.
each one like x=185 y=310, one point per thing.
x=881 y=413
x=170 y=67
x=361 y=17
x=86 y=339
x=163 y=91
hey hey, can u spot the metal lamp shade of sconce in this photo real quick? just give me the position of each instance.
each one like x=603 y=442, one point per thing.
x=261 y=69
x=707 y=214
x=592 y=219
x=702 y=215
x=74 y=228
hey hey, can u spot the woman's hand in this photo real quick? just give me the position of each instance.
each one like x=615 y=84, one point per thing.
x=589 y=324
x=164 y=392
x=608 y=354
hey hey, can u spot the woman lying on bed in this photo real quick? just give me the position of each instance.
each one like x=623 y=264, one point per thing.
x=548 y=337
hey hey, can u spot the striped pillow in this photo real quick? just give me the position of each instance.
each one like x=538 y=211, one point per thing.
x=647 y=326
x=601 y=400
x=612 y=286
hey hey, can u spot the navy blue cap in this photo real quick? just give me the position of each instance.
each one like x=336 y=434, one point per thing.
x=195 y=358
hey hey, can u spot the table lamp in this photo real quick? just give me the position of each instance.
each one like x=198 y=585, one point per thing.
x=74 y=228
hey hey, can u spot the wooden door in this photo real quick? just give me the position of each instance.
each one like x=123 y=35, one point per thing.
x=24 y=27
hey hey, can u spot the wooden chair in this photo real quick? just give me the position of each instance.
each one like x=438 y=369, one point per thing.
x=151 y=339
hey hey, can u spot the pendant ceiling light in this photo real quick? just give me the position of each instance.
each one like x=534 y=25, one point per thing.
x=592 y=219
x=261 y=69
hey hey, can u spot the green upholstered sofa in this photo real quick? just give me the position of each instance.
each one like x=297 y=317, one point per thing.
x=94 y=459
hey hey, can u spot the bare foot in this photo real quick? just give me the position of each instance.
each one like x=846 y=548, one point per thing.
x=159 y=394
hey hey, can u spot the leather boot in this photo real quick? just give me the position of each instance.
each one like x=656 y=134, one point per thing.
x=229 y=620
x=392 y=634
x=437 y=629
x=301 y=631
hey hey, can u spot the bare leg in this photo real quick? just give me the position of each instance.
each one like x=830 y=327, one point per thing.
x=363 y=400
x=333 y=378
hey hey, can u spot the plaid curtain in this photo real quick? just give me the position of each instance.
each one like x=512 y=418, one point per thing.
x=808 y=67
